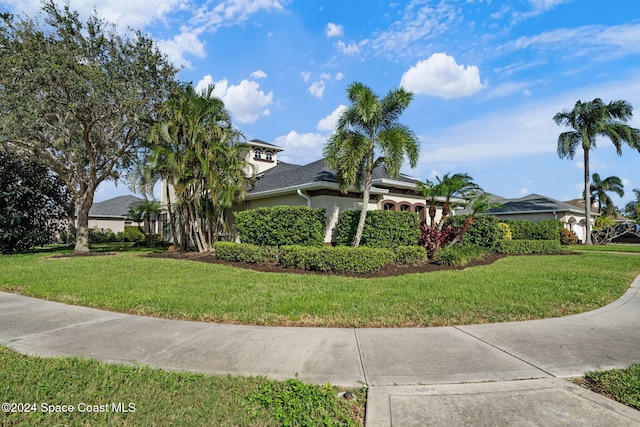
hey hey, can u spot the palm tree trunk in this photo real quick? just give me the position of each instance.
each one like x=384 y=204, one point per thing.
x=365 y=205
x=587 y=199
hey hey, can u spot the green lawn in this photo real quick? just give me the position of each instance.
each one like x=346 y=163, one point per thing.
x=115 y=395
x=607 y=248
x=513 y=288
x=622 y=385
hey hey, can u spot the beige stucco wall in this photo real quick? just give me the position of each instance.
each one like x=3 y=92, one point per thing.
x=333 y=205
x=115 y=224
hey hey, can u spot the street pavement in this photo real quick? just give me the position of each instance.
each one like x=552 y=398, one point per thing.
x=500 y=374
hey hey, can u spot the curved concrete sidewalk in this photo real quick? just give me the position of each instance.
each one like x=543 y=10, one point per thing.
x=462 y=375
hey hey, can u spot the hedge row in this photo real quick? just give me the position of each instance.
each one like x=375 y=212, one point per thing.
x=341 y=259
x=459 y=255
x=546 y=229
x=484 y=230
x=281 y=225
x=382 y=229
x=526 y=247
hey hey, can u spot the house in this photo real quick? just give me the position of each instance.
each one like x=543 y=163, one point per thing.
x=315 y=185
x=112 y=214
x=536 y=207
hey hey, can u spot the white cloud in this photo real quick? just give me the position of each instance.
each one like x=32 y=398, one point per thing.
x=626 y=182
x=339 y=76
x=317 y=88
x=232 y=12
x=329 y=123
x=348 y=49
x=523 y=191
x=441 y=76
x=186 y=42
x=334 y=30
x=306 y=75
x=507 y=89
x=301 y=148
x=246 y=102
x=259 y=74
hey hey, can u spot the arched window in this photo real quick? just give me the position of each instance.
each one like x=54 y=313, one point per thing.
x=257 y=153
x=420 y=211
x=404 y=207
x=269 y=156
x=389 y=206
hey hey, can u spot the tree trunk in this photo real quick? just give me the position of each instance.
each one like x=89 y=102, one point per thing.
x=172 y=222
x=587 y=198
x=432 y=214
x=71 y=222
x=82 y=232
x=365 y=206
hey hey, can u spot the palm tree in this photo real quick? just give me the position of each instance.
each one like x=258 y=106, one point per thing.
x=632 y=208
x=588 y=121
x=599 y=190
x=196 y=150
x=368 y=135
x=459 y=185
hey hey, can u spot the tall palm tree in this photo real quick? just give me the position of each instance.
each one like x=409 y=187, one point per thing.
x=599 y=189
x=368 y=135
x=196 y=150
x=590 y=120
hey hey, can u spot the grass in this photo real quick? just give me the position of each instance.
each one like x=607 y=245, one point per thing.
x=513 y=288
x=156 y=397
x=622 y=385
x=631 y=248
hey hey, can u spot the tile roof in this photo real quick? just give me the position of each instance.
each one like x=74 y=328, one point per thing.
x=116 y=207
x=532 y=203
x=286 y=175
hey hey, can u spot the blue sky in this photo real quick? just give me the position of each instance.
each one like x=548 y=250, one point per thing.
x=487 y=75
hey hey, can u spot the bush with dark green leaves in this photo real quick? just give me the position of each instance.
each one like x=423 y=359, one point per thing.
x=484 y=230
x=102 y=235
x=245 y=252
x=459 y=255
x=410 y=255
x=281 y=225
x=546 y=229
x=528 y=247
x=339 y=259
x=382 y=229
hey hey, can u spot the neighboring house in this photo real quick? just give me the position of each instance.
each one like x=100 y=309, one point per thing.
x=535 y=207
x=112 y=214
x=315 y=185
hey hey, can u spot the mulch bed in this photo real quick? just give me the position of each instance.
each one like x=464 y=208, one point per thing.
x=389 y=271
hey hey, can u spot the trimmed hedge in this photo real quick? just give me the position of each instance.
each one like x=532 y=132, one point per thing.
x=546 y=229
x=281 y=225
x=484 y=230
x=410 y=255
x=340 y=259
x=244 y=252
x=459 y=255
x=382 y=229
x=526 y=247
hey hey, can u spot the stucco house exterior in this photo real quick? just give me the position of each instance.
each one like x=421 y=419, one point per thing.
x=535 y=207
x=112 y=214
x=315 y=185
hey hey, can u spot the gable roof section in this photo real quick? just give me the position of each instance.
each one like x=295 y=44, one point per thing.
x=316 y=174
x=117 y=207
x=532 y=203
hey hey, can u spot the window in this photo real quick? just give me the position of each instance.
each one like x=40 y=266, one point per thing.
x=389 y=207
x=404 y=208
x=269 y=156
x=420 y=210
x=257 y=153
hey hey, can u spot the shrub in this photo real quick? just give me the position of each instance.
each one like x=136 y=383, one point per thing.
x=244 y=252
x=603 y=222
x=459 y=255
x=410 y=255
x=102 y=235
x=546 y=229
x=382 y=229
x=434 y=239
x=132 y=233
x=340 y=259
x=505 y=231
x=483 y=231
x=526 y=247
x=568 y=237
x=281 y=225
